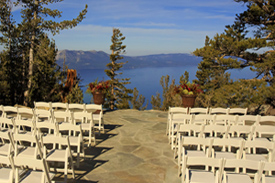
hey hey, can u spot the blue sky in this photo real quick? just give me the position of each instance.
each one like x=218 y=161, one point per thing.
x=150 y=26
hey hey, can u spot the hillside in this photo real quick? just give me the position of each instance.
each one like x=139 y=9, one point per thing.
x=98 y=60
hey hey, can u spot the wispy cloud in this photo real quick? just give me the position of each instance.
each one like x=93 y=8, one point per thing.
x=150 y=26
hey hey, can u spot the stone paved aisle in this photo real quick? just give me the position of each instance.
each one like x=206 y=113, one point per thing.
x=134 y=149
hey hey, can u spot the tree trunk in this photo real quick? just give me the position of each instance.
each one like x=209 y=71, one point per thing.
x=31 y=56
x=112 y=102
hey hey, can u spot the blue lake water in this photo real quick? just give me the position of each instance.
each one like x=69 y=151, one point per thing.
x=147 y=80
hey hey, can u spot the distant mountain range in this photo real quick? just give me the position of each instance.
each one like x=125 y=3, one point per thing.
x=98 y=60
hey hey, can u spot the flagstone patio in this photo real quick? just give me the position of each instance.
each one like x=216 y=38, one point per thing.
x=134 y=149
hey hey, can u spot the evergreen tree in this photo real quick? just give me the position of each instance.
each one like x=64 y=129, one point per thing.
x=10 y=63
x=34 y=24
x=28 y=62
x=169 y=99
x=138 y=101
x=237 y=48
x=118 y=96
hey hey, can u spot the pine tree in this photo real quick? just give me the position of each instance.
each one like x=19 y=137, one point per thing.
x=11 y=58
x=118 y=96
x=138 y=101
x=28 y=62
x=33 y=25
x=236 y=48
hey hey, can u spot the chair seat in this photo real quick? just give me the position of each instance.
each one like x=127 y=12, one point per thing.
x=27 y=152
x=74 y=140
x=56 y=155
x=4 y=149
x=226 y=155
x=6 y=174
x=35 y=176
x=233 y=178
x=201 y=176
x=85 y=126
x=269 y=179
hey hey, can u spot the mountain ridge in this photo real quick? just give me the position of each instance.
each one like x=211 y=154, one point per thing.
x=78 y=59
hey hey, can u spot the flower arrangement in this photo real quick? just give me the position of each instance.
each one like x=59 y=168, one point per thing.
x=187 y=89
x=98 y=86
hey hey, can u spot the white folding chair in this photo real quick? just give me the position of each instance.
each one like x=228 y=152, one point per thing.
x=202 y=119
x=47 y=129
x=198 y=110
x=263 y=132
x=243 y=177
x=248 y=120
x=43 y=105
x=225 y=119
x=216 y=131
x=42 y=115
x=237 y=111
x=59 y=106
x=76 y=138
x=53 y=152
x=62 y=117
x=176 y=120
x=9 y=111
x=259 y=150
x=193 y=147
x=218 y=110
x=87 y=125
x=197 y=175
x=171 y=112
x=6 y=172
x=7 y=143
x=228 y=148
x=38 y=170
x=268 y=176
x=97 y=111
x=25 y=126
x=77 y=107
x=240 y=131
x=25 y=114
x=27 y=145
x=186 y=130
x=267 y=120
x=7 y=124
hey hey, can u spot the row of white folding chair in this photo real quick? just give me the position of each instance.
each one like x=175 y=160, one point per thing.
x=75 y=133
x=179 y=115
x=37 y=170
x=225 y=119
x=202 y=110
x=73 y=117
x=85 y=119
x=209 y=147
x=221 y=170
x=81 y=118
x=21 y=152
x=66 y=106
x=229 y=148
x=45 y=128
x=182 y=110
x=45 y=115
x=215 y=130
x=47 y=147
x=254 y=132
x=218 y=110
